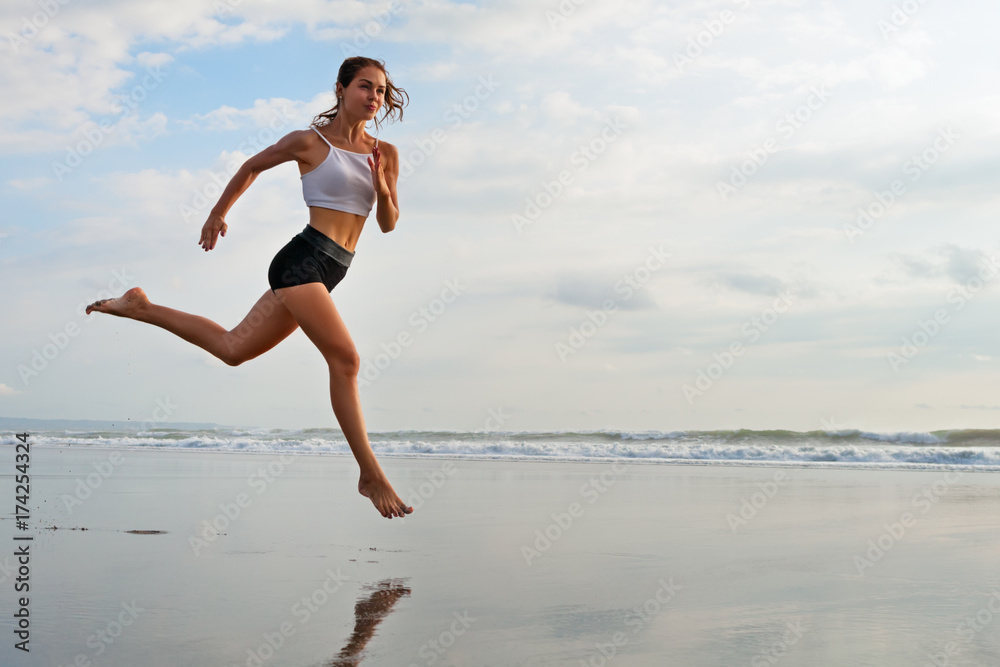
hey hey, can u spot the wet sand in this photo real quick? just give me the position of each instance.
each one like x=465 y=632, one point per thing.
x=503 y=563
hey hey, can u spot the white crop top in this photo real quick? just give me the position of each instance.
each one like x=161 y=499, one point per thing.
x=342 y=182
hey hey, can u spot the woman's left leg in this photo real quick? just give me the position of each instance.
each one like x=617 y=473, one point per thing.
x=313 y=309
x=267 y=324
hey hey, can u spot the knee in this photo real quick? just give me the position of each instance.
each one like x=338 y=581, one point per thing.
x=344 y=362
x=231 y=353
x=232 y=360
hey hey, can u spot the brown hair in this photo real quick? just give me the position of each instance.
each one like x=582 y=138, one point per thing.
x=394 y=96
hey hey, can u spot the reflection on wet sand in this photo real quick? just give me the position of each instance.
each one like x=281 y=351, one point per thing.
x=368 y=613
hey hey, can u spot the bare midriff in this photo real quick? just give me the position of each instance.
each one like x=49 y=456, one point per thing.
x=342 y=227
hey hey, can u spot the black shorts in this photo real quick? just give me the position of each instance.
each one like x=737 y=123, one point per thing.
x=310 y=257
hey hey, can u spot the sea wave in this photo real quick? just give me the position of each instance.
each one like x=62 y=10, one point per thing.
x=979 y=449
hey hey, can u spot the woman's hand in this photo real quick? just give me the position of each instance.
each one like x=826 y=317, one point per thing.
x=214 y=226
x=385 y=172
x=378 y=174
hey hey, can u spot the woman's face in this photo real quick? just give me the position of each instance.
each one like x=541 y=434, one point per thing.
x=366 y=93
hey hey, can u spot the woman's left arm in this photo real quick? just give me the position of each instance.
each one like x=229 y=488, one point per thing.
x=384 y=164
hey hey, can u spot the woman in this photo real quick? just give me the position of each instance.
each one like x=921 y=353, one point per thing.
x=345 y=172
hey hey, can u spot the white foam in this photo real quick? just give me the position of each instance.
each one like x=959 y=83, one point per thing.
x=843 y=448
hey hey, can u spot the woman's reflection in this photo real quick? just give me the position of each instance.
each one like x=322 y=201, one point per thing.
x=368 y=613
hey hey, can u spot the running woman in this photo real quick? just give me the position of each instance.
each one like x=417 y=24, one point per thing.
x=345 y=172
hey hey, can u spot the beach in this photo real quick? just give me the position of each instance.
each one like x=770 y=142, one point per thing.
x=275 y=559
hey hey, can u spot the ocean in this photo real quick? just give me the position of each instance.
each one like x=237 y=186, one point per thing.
x=953 y=449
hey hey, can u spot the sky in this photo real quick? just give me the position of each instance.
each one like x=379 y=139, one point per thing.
x=638 y=216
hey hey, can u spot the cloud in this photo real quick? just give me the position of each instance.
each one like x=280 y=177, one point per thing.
x=76 y=69
x=280 y=114
x=950 y=261
x=751 y=283
x=561 y=107
x=592 y=292
x=29 y=183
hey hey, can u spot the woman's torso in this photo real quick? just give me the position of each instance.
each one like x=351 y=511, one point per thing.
x=341 y=226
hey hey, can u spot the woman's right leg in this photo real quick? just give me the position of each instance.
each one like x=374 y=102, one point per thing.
x=313 y=309
x=268 y=323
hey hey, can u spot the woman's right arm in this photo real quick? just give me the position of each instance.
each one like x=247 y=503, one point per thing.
x=290 y=147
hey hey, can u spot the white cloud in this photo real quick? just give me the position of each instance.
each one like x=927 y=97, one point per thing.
x=560 y=106
x=29 y=183
x=74 y=70
x=280 y=114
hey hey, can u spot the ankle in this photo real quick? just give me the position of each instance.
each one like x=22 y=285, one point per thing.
x=373 y=476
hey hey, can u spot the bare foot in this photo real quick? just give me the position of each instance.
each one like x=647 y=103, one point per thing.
x=383 y=497
x=127 y=305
